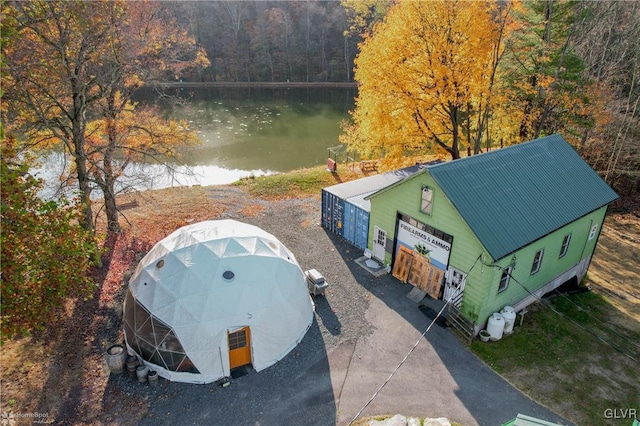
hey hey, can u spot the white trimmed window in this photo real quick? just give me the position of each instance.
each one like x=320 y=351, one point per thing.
x=565 y=245
x=504 y=279
x=537 y=261
x=426 y=204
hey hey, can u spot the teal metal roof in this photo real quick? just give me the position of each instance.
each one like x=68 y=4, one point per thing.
x=523 y=420
x=513 y=196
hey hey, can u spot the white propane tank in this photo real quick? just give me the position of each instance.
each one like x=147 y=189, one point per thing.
x=509 y=315
x=495 y=326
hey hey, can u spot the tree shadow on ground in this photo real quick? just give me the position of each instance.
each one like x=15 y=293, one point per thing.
x=80 y=341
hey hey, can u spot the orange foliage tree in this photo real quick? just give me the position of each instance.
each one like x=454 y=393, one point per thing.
x=70 y=63
x=49 y=75
x=146 y=45
x=427 y=77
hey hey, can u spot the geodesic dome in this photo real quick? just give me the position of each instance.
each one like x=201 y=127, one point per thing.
x=213 y=296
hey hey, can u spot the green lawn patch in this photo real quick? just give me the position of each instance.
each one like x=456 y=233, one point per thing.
x=295 y=184
x=577 y=361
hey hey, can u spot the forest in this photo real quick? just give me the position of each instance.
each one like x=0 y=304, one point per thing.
x=569 y=67
x=444 y=77
x=251 y=41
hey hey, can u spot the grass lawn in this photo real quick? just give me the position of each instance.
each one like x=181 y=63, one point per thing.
x=580 y=354
x=298 y=183
x=309 y=182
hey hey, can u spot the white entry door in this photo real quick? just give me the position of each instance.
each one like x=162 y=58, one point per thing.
x=379 y=243
x=454 y=286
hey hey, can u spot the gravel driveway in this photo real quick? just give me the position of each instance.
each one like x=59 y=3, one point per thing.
x=363 y=328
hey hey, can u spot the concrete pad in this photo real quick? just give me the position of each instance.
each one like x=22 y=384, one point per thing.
x=370 y=265
x=416 y=294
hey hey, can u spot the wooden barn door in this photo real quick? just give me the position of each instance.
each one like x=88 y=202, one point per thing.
x=239 y=348
x=416 y=270
x=425 y=276
x=402 y=263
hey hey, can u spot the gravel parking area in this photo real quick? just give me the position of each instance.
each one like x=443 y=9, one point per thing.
x=363 y=327
x=299 y=386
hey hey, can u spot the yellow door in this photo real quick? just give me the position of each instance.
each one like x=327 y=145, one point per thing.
x=239 y=348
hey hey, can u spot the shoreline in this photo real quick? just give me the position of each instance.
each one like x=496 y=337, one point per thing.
x=256 y=84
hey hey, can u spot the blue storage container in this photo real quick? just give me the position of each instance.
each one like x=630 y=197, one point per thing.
x=345 y=211
x=349 y=231
x=332 y=212
x=356 y=220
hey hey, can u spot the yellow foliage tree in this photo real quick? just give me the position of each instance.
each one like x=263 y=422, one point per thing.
x=363 y=14
x=427 y=77
x=138 y=134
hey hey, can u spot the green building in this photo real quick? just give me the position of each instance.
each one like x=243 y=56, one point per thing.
x=492 y=230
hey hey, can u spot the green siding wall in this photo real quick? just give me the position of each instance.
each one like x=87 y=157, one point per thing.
x=406 y=198
x=481 y=297
x=580 y=247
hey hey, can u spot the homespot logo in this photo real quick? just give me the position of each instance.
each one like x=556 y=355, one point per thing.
x=620 y=413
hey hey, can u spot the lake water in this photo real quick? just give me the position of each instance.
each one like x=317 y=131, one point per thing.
x=244 y=132
x=264 y=129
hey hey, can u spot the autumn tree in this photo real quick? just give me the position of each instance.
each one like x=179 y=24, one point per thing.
x=362 y=15
x=547 y=77
x=427 y=78
x=74 y=62
x=610 y=46
x=46 y=254
x=127 y=135
x=51 y=66
x=145 y=47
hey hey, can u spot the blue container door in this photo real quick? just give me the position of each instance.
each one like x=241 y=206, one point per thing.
x=362 y=229
x=349 y=232
x=332 y=212
x=326 y=210
x=338 y=214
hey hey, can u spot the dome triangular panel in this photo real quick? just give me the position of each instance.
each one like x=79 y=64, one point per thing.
x=205 y=280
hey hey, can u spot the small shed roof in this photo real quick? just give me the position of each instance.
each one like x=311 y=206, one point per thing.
x=513 y=196
x=356 y=190
x=522 y=420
